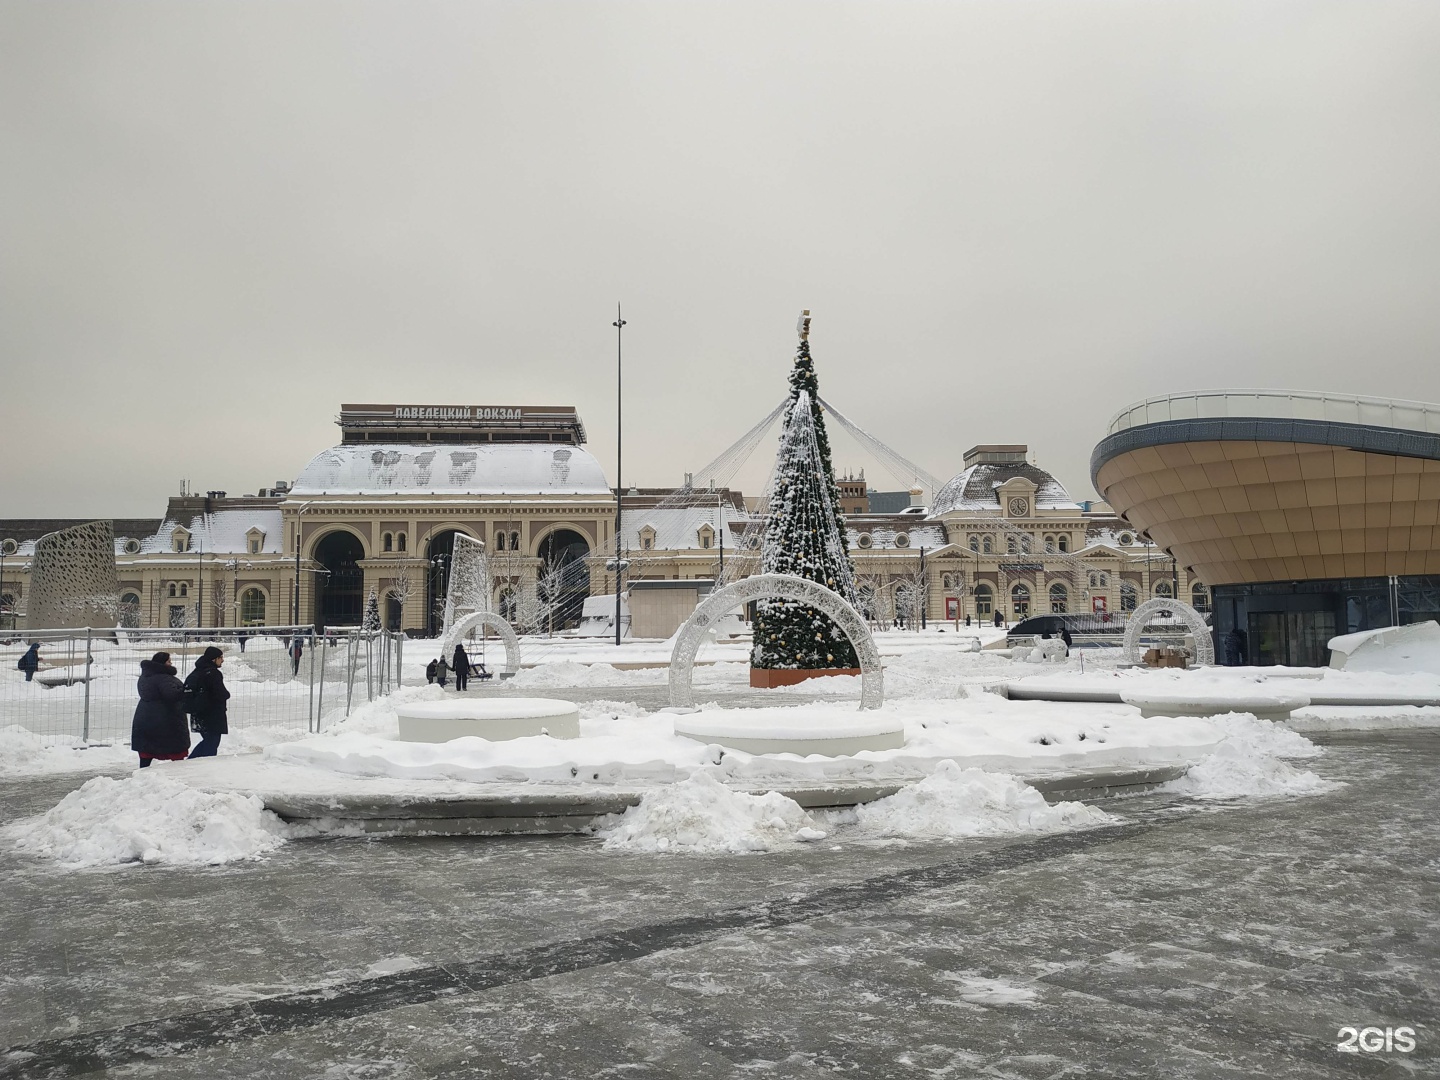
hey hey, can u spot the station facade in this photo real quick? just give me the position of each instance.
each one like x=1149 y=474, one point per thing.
x=379 y=512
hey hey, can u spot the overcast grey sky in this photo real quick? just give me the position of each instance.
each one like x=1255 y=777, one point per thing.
x=219 y=221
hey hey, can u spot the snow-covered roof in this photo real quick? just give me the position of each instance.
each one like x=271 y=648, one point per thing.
x=221 y=532
x=883 y=537
x=975 y=488
x=474 y=469
x=677 y=528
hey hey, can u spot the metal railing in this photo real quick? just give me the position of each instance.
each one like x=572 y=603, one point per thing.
x=282 y=677
x=1280 y=404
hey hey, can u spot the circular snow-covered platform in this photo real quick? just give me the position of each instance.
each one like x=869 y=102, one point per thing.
x=839 y=736
x=1271 y=706
x=495 y=719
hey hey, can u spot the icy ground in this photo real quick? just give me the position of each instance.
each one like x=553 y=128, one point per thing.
x=1179 y=938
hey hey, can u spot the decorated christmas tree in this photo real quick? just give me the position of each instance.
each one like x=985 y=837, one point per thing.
x=804 y=535
x=372 y=612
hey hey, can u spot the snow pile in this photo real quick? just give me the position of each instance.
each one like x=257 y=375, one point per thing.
x=700 y=815
x=1265 y=737
x=24 y=753
x=1235 y=770
x=149 y=817
x=952 y=801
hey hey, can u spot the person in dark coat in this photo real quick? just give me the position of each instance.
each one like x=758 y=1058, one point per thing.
x=159 y=729
x=207 y=702
x=430 y=669
x=461 y=664
x=297 y=650
x=1065 y=637
x=30 y=662
x=442 y=671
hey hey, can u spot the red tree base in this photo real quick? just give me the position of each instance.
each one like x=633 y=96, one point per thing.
x=768 y=677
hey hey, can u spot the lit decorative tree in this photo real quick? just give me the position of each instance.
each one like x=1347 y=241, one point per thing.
x=804 y=535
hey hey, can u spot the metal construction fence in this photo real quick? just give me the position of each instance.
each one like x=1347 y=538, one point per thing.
x=289 y=677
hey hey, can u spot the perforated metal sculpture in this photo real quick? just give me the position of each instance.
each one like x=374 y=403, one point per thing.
x=72 y=578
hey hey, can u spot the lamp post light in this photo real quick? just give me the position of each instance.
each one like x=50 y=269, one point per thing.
x=619 y=325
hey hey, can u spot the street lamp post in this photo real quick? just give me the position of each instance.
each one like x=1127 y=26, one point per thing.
x=619 y=325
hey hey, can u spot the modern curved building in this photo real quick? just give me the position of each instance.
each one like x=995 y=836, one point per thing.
x=1309 y=515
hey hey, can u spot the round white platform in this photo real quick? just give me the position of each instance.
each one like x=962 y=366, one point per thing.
x=496 y=719
x=1272 y=706
x=762 y=734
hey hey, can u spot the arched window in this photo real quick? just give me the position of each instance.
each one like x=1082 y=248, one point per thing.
x=974 y=542
x=1094 y=580
x=1011 y=546
x=386 y=541
x=984 y=599
x=514 y=541
x=947 y=581
x=172 y=589
x=499 y=541
x=1199 y=596
x=399 y=542
x=1059 y=599
x=1129 y=596
x=985 y=545
x=129 y=608
x=1020 y=600
x=1049 y=543
x=1163 y=588
x=252 y=608
x=1104 y=580
x=1062 y=542
x=184 y=588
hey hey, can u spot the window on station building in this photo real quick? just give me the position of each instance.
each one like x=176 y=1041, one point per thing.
x=1059 y=599
x=1049 y=543
x=974 y=542
x=184 y=588
x=252 y=608
x=499 y=541
x=400 y=541
x=1020 y=600
x=514 y=541
x=387 y=542
x=1164 y=588
x=1199 y=597
x=1062 y=542
x=1129 y=596
x=986 y=546
x=984 y=600
x=173 y=591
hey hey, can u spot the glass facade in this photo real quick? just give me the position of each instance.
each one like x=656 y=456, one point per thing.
x=1291 y=622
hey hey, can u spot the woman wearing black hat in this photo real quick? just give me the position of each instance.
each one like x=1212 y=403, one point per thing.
x=207 y=702
x=159 y=729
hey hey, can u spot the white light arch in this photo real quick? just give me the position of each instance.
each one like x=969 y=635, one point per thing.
x=495 y=622
x=1194 y=622
x=783 y=587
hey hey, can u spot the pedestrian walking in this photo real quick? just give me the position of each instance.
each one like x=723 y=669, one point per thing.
x=297 y=650
x=159 y=729
x=442 y=672
x=30 y=662
x=242 y=638
x=461 y=663
x=206 y=687
x=430 y=670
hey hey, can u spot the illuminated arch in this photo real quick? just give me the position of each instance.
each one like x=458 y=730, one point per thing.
x=493 y=621
x=1194 y=622
x=783 y=587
